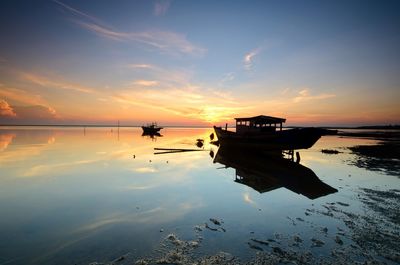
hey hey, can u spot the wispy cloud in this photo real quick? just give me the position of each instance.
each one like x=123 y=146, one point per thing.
x=79 y=13
x=141 y=66
x=164 y=41
x=161 y=7
x=57 y=84
x=145 y=83
x=227 y=78
x=23 y=97
x=249 y=58
x=304 y=95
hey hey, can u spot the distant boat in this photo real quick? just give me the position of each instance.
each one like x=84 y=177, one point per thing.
x=152 y=128
x=265 y=132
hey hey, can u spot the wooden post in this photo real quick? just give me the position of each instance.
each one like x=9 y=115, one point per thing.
x=226 y=126
x=281 y=126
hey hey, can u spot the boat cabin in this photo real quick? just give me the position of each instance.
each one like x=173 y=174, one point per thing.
x=258 y=124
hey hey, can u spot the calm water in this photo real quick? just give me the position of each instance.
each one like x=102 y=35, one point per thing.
x=74 y=196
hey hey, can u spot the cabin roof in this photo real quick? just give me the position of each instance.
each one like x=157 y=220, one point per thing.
x=262 y=119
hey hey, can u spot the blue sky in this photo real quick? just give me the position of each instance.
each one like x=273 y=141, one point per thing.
x=199 y=62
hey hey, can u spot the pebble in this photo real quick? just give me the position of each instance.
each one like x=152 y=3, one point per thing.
x=262 y=242
x=254 y=246
x=215 y=221
x=317 y=242
x=338 y=240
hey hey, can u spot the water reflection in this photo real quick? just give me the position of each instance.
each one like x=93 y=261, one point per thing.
x=151 y=135
x=73 y=195
x=265 y=172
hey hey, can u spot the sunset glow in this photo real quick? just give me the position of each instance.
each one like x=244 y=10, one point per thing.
x=199 y=63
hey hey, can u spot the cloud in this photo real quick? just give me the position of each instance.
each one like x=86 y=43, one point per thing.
x=249 y=57
x=33 y=108
x=226 y=78
x=79 y=13
x=6 y=110
x=145 y=83
x=58 y=84
x=161 y=7
x=164 y=41
x=141 y=66
x=29 y=114
x=22 y=96
x=40 y=113
x=304 y=95
x=191 y=102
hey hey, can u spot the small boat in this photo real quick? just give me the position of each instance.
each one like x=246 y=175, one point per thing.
x=151 y=128
x=265 y=132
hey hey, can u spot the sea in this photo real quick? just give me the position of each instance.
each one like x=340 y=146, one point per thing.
x=81 y=195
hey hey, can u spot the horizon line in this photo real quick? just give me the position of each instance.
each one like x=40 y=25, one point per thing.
x=191 y=126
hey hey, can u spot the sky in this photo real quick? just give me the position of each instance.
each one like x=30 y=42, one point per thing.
x=199 y=63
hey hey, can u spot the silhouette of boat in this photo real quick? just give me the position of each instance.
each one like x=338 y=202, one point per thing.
x=265 y=172
x=263 y=132
x=151 y=128
x=151 y=135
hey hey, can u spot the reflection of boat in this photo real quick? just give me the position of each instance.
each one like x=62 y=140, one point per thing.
x=265 y=172
x=262 y=132
x=152 y=135
x=151 y=128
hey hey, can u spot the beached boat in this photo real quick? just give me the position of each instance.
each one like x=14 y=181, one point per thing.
x=265 y=132
x=152 y=128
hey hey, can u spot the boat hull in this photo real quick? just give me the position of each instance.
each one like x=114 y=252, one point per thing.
x=151 y=130
x=299 y=138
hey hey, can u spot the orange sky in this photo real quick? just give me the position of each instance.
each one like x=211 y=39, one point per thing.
x=78 y=64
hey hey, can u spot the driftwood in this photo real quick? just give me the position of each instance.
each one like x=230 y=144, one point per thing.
x=175 y=150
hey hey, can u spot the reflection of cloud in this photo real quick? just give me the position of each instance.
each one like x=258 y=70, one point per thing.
x=145 y=170
x=6 y=110
x=136 y=187
x=5 y=140
x=161 y=7
x=247 y=198
x=40 y=170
